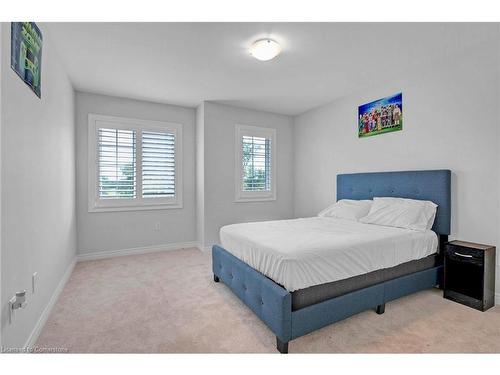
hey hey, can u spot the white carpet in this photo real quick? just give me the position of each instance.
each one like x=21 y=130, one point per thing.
x=167 y=303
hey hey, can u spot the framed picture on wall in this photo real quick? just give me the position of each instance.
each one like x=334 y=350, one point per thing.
x=381 y=116
x=26 y=54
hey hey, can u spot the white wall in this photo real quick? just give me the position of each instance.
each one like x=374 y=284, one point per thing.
x=219 y=158
x=38 y=230
x=1 y=64
x=451 y=120
x=497 y=299
x=200 y=175
x=104 y=231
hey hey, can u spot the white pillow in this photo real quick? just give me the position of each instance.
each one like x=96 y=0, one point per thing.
x=347 y=209
x=402 y=213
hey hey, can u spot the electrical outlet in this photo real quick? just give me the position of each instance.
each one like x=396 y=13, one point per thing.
x=18 y=301
x=157 y=226
x=34 y=280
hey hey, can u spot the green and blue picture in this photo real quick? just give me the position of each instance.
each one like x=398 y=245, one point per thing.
x=381 y=116
x=26 y=53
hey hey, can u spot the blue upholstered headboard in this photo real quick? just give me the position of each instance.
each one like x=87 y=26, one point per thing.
x=433 y=185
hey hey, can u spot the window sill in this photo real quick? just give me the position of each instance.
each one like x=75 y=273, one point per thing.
x=94 y=209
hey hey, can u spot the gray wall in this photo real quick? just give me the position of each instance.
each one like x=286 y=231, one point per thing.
x=451 y=120
x=208 y=198
x=38 y=187
x=200 y=174
x=219 y=159
x=103 y=231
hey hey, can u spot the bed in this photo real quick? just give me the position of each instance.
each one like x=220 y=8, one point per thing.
x=303 y=274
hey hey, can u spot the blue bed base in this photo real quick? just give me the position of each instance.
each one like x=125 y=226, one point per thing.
x=273 y=304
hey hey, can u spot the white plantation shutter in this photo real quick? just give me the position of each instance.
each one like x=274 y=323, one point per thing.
x=256 y=162
x=117 y=167
x=158 y=164
x=134 y=164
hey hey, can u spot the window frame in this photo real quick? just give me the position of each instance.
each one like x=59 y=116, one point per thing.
x=253 y=196
x=95 y=203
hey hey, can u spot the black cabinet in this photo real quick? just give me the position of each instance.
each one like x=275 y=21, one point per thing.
x=469 y=274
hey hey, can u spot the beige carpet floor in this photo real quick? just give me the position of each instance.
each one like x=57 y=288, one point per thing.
x=167 y=303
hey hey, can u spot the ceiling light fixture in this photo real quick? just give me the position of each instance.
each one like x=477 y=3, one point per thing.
x=265 y=49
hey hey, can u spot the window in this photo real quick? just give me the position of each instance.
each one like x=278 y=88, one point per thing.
x=134 y=164
x=116 y=156
x=255 y=177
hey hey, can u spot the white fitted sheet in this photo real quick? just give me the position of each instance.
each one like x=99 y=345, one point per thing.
x=300 y=253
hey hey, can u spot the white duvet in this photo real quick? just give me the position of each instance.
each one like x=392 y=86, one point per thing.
x=301 y=253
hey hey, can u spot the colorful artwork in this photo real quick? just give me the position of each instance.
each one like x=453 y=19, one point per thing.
x=26 y=53
x=381 y=116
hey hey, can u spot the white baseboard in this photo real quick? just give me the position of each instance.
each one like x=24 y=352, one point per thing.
x=32 y=339
x=134 y=251
x=204 y=249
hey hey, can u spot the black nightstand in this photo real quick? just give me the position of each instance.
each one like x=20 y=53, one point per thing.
x=469 y=274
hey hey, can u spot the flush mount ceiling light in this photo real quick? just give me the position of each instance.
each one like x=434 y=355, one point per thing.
x=265 y=49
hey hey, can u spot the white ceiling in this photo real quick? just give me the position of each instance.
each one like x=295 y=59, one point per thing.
x=186 y=63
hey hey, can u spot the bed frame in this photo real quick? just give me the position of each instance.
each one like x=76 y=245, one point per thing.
x=273 y=304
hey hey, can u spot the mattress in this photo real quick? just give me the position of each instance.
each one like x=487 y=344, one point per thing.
x=302 y=253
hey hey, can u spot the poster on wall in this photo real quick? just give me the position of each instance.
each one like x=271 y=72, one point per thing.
x=26 y=53
x=381 y=116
